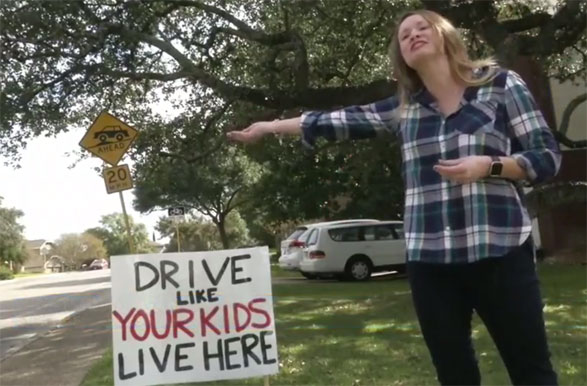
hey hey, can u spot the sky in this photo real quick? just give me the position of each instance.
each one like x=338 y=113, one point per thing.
x=57 y=199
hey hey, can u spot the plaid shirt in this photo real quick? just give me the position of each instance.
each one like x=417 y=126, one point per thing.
x=445 y=221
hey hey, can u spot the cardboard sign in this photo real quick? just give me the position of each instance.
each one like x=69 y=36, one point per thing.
x=192 y=317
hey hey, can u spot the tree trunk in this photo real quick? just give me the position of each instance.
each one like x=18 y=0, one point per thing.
x=223 y=237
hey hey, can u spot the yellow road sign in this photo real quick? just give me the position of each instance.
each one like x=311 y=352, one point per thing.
x=117 y=178
x=108 y=138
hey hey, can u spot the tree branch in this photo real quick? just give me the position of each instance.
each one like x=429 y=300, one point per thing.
x=573 y=104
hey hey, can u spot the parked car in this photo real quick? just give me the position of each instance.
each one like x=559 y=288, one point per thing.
x=292 y=246
x=354 y=251
x=99 y=264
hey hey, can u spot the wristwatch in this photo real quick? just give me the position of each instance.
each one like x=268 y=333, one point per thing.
x=496 y=167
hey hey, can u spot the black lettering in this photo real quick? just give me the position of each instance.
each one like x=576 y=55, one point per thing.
x=121 y=374
x=141 y=362
x=191 y=269
x=236 y=269
x=153 y=281
x=166 y=276
x=208 y=355
x=179 y=356
x=161 y=366
x=201 y=296
x=180 y=301
x=192 y=298
x=265 y=347
x=215 y=280
x=211 y=293
x=248 y=348
x=228 y=353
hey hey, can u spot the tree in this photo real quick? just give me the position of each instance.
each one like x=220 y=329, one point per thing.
x=197 y=234
x=214 y=186
x=12 y=247
x=78 y=249
x=221 y=64
x=65 y=61
x=113 y=234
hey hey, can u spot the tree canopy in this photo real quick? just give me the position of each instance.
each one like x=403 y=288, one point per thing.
x=186 y=71
x=113 y=234
x=12 y=247
x=77 y=249
x=64 y=61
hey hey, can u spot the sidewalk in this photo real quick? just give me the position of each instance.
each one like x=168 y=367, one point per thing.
x=64 y=355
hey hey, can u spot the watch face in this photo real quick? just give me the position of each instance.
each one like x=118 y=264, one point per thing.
x=496 y=168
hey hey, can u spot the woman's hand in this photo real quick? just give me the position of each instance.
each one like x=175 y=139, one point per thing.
x=253 y=133
x=464 y=170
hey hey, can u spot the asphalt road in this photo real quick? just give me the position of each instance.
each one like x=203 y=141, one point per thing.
x=35 y=305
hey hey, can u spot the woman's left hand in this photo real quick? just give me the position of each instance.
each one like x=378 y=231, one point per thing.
x=464 y=170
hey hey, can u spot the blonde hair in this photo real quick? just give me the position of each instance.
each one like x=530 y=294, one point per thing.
x=461 y=66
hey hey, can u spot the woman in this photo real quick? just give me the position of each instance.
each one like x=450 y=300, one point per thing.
x=471 y=134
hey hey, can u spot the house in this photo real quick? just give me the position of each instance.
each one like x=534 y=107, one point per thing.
x=560 y=228
x=37 y=251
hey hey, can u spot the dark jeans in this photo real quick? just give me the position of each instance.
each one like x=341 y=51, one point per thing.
x=505 y=293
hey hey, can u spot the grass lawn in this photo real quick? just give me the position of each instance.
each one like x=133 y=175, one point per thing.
x=341 y=333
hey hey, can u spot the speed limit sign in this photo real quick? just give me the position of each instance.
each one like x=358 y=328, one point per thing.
x=117 y=179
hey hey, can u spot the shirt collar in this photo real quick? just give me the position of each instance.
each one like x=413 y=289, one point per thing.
x=424 y=97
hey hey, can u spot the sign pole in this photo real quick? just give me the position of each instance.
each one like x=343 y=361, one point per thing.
x=177 y=233
x=128 y=231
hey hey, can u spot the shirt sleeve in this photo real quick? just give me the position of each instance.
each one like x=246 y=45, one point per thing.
x=540 y=157
x=354 y=122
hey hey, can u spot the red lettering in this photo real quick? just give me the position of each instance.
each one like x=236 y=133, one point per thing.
x=259 y=311
x=180 y=324
x=123 y=321
x=205 y=321
x=226 y=319
x=235 y=308
x=133 y=330
x=167 y=324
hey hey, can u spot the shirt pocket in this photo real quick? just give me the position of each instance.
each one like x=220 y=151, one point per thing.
x=477 y=134
x=477 y=117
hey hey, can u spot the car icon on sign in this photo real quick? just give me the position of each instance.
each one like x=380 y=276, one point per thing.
x=108 y=132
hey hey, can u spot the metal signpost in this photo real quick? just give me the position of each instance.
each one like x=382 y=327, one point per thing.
x=177 y=213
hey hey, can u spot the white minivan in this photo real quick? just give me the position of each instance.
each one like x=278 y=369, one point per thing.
x=292 y=246
x=354 y=251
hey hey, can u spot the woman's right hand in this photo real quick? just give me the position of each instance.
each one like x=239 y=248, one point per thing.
x=253 y=133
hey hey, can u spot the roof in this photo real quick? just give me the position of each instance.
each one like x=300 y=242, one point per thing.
x=34 y=244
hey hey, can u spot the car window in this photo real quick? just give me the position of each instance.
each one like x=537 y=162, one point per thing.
x=344 y=234
x=399 y=230
x=297 y=233
x=368 y=233
x=384 y=232
x=312 y=237
x=304 y=236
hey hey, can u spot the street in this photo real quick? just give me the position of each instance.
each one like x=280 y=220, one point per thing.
x=35 y=305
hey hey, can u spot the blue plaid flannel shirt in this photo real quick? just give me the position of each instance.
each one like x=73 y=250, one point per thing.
x=444 y=221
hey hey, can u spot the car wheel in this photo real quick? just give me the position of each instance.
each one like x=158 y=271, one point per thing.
x=103 y=137
x=119 y=137
x=309 y=276
x=359 y=269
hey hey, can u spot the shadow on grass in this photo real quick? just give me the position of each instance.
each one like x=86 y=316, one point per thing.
x=333 y=333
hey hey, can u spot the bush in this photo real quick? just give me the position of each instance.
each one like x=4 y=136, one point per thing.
x=6 y=273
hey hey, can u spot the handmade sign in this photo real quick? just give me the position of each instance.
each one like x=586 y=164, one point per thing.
x=192 y=317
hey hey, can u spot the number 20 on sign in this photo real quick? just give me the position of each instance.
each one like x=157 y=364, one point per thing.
x=117 y=178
